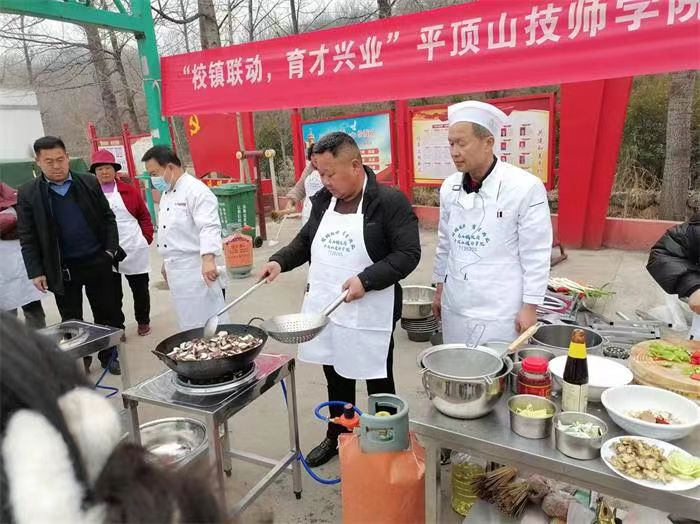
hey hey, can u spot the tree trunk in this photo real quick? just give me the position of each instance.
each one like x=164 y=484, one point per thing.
x=384 y=8
x=208 y=27
x=112 y=123
x=128 y=93
x=25 y=51
x=295 y=18
x=251 y=22
x=185 y=27
x=676 y=181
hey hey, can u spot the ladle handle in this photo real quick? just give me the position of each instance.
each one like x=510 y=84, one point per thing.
x=244 y=295
x=522 y=338
x=334 y=305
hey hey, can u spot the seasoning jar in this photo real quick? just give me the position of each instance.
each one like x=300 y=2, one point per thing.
x=534 y=377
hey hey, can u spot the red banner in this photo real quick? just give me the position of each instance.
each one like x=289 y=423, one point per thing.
x=478 y=46
x=213 y=141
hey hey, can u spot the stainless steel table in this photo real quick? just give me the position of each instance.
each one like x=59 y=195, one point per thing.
x=491 y=437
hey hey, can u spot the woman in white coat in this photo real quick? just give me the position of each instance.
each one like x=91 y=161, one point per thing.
x=16 y=288
x=495 y=235
x=189 y=239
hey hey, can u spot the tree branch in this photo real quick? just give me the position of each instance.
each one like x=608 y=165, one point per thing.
x=169 y=18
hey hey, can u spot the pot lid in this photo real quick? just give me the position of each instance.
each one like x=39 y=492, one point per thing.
x=463 y=362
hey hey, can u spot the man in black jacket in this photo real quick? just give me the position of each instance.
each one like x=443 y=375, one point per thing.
x=361 y=238
x=69 y=239
x=674 y=262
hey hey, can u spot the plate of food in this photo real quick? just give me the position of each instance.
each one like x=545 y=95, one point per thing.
x=652 y=463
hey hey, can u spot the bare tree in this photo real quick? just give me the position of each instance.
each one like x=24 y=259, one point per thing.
x=102 y=76
x=676 y=180
x=384 y=8
x=208 y=27
x=293 y=10
x=126 y=90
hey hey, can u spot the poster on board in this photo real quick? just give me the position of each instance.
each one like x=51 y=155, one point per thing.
x=117 y=149
x=372 y=134
x=524 y=141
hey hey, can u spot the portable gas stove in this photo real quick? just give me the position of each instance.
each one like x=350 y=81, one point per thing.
x=215 y=402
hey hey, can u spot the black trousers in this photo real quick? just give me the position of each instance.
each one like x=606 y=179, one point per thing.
x=95 y=275
x=343 y=389
x=34 y=315
x=139 y=290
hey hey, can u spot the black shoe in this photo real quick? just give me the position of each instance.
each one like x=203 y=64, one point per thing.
x=87 y=362
x=115 y=368
x=322 y=453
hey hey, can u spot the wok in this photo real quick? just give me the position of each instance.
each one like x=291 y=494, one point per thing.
x=215 y=368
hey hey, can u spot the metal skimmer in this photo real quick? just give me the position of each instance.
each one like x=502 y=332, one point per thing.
x=300 y=327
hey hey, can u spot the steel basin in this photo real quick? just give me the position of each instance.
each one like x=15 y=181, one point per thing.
x=175 y=441
x=558 y=336
x=417 y=302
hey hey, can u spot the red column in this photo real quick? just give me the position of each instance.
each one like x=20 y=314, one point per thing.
x=130 y=164
x=298 y=144
x=248 y=126
x=92 y=136
x=402 y=135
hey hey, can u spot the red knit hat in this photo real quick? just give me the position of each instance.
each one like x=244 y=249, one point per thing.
x=103 y=157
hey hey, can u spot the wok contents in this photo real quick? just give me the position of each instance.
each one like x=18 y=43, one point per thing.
x=530 y=412
x=219 y=346
x=581 y=429
x=655 y=417
x=640 y=461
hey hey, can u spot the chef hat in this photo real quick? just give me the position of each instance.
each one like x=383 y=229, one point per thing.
x=480 y=113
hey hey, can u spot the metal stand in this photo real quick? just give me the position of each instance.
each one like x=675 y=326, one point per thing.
x=216 y=412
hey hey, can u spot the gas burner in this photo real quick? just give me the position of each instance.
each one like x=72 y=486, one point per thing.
x=229 y=382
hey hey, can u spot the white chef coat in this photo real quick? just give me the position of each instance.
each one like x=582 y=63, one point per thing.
x=16 y=289
x=493 y=252
x=189 y=227
x=312 y=185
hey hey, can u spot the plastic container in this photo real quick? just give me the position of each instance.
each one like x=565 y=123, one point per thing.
x=534 y=378
x=237 y=205
x=464 y=469
x=238 y=251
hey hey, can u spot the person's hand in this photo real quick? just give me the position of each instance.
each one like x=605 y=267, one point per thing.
x=355 y=289
x=162 y=272
x=694 y=302
x=437 y=301
x=527 y=317
x=270 y=271
x=40 y=283
x=209 y=271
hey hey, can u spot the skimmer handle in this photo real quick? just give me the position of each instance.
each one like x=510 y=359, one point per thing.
x=334 y=305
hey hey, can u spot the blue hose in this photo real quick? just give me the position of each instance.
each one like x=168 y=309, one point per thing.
x=99 y=385
x=317 y=412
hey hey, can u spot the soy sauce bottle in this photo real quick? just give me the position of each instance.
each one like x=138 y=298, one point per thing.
x=575 y=387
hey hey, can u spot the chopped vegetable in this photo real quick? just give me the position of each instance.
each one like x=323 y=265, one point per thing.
x=640 y=460
x=683 y=466
x=695 y=358
x=655 y=417
x=581 y=429
x=564 y=285
x=530 y=412
x=670 y=352
x=695 y=376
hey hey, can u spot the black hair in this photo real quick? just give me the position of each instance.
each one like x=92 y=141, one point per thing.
x=48 y=142
x=336 y=142
x=310 y=151
x=133 y=486
x=163 y=155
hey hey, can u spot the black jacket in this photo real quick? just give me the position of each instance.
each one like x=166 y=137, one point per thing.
x=390 y=234
x=674 y=261
x=37 y=229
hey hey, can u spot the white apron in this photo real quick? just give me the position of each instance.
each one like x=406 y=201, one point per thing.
x=131 y=239
x=484 y=283
x=356 y=340
x=312 y=185
x=695 y=328
x=16 y=289
x=194 y=301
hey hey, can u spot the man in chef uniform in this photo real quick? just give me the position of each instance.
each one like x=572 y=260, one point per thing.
x=495 y=235
x=189 y=238
x=362 y=237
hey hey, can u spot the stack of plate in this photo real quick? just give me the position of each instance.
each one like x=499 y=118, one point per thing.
x=420 y=330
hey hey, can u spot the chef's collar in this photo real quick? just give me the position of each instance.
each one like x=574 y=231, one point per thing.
x=174 y=188
x=468 y=183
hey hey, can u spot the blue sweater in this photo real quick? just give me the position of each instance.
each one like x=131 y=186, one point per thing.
x=76 y=238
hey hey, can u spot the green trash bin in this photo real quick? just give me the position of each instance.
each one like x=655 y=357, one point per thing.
x=237 y=206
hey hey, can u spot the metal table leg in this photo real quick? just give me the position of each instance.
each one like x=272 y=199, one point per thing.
x=216 y=457
x=132 y=421
x=432 y=481
x=294 y=432
x=125 y=367
x=228 y=466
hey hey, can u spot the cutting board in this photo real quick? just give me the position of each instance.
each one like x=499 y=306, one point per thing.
x=648 y=372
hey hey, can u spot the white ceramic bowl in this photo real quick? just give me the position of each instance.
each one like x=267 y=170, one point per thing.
x=603 y=373
x=620 y=401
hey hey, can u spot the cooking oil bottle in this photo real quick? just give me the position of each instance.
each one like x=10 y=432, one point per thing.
x=464 y=469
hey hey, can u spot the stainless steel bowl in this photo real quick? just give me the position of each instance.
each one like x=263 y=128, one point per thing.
x=175 y=441
x=466 y=398
x=558 y=336
x=513 y=377
x=533 y=351
x=417 y=302
x=578 y=447
x=462 y=362
x=531 y=427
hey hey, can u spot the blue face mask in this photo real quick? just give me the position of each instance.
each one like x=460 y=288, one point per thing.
x=160 y=184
